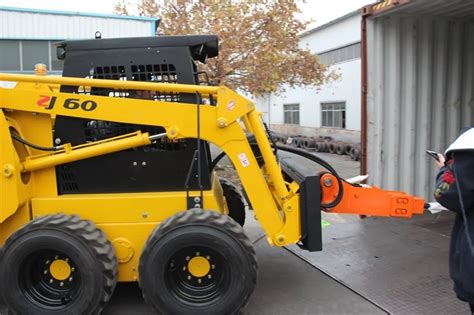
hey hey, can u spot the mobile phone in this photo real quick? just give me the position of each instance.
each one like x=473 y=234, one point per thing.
x=433 y=154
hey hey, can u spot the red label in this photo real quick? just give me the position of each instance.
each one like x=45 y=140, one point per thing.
x=43 y=101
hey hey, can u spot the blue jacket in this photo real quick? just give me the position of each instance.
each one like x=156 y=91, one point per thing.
x=456 y=193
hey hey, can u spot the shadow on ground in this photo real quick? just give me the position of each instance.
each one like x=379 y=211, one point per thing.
x=286 y=285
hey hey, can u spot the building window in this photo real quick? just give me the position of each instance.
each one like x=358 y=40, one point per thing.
x=22 y=55
x=291 y=114
x=35 y=51
x=333 y=114
x=9 y=55
x=341 y=54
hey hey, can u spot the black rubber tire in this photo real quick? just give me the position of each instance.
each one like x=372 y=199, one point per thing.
x=309 y=144
x=212 y=231
x=82 y=242
x=332 y=147
x=235 y=201
x=299 y=143
x=355 y=154
x=324 y=147
x=348 y=149
x=340 y=148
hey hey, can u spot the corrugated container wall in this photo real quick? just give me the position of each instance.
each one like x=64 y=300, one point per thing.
x=38 y=25
x=420 y=93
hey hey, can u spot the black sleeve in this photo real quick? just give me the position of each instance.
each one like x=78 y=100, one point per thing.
x=462 y=164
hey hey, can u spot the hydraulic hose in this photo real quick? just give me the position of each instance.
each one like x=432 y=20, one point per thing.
x=309 y=156
x=35 y=146
x=270 y=137
x=217 y=159
x=324 y=164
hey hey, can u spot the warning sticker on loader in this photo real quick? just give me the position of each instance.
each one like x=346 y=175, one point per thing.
x=244 y=160
x=231 y=105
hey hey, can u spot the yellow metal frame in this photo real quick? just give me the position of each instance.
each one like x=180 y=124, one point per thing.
x=29 y=178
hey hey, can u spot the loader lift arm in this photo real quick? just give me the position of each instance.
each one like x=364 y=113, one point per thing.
x=276 y=203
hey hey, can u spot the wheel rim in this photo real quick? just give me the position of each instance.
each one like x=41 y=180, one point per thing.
x=50 y=279
x=197 y=275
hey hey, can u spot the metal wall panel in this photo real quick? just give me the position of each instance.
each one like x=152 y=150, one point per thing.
x=420 y=91
x=36 y=25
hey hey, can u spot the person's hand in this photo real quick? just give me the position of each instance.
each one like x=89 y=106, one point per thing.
x=441 y=161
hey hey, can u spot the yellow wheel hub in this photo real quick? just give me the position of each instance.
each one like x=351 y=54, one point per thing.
x=199 y=266
x=60 y=269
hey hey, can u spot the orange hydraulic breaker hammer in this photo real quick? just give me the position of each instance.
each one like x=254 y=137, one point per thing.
x=368 y=200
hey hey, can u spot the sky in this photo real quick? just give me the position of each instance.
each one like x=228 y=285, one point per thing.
x=322 y=11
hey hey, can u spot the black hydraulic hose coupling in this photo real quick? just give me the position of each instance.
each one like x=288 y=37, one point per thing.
x=324 y=164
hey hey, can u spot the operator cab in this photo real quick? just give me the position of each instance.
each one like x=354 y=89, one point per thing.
x=161 y=166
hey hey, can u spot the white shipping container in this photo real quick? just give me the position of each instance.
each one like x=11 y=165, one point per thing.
x=420 y=88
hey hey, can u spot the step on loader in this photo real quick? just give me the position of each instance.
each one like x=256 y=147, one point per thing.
x=107 y=176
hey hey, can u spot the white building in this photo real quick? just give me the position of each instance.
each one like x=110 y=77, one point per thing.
x=27 y=36
x=335 y=108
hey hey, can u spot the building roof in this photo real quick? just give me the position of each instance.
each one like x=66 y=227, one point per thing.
x=326 y=25
x=72 y=13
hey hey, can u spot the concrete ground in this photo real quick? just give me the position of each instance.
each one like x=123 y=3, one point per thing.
x=400 y=265
x=286 y=285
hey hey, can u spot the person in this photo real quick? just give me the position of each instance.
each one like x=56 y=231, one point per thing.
x=455 y=191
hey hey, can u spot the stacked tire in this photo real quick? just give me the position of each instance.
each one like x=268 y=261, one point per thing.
x=355 y=153
x=320 y=144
